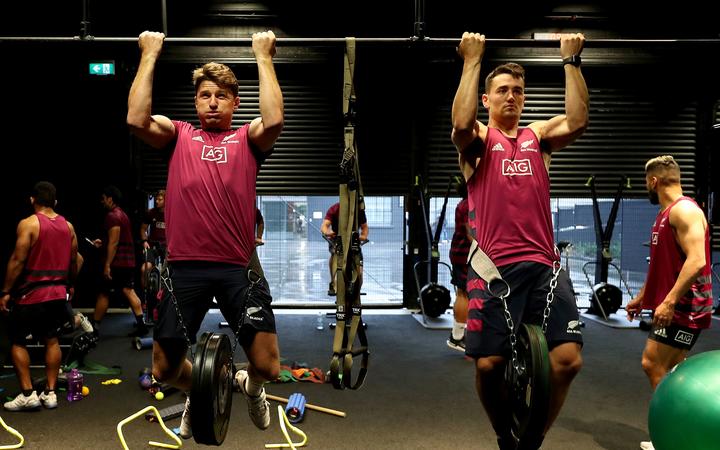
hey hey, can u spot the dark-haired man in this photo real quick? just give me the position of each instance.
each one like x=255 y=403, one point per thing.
x=506 y=168
x=678 y=287
x=118 y=263
x=41 y=268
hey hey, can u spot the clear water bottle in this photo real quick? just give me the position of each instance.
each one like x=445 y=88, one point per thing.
x=75 y=385
x=319 y=321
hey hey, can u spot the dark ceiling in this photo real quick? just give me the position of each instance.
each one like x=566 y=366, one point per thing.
x=388 y=18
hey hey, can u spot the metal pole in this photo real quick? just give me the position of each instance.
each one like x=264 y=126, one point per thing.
x=85 y=22
x=419 y=28
x=164 y=17
x=320 y=41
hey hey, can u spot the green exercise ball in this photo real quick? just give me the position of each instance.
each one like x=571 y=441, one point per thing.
x=685 y=408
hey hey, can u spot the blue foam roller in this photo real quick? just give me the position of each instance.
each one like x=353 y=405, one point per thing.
x=295 y=409
x=143 y=343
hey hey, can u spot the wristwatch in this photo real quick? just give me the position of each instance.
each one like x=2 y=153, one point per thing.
x=574 y=60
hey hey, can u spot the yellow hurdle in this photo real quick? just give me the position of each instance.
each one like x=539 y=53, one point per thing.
x=141 y=413
x=15 y=433
x=290 y=444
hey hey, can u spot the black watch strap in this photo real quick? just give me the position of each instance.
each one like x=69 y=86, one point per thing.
x=575 y=60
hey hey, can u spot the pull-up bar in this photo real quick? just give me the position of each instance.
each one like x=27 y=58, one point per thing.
x=320 y=41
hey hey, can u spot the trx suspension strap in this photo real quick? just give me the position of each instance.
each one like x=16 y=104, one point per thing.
x=347 y=248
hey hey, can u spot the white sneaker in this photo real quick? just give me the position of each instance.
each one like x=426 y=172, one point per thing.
x=22 y=403
x=258 y=407
x=185 y=427
x=647 y=445
x=85 y=323
x=49 y=400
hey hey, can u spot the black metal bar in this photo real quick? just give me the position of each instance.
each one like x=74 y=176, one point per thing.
x=601 y=267
x=419 y=26
x=85 y=22
x=319 y=41
x=607 y=234
x=163 y=5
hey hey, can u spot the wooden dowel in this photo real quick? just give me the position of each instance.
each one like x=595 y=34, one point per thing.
x=333 y=412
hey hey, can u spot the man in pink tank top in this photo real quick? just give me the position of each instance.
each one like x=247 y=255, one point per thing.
x=506 y=169
x=210 y=214
x=118 y=262
x=40 y=271
x=678 y=286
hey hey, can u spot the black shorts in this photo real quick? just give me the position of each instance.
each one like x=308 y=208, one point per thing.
x=122 y=277
x=459 y=276
x=675 y=336
x=194 y=285
x=42 y=320
x=487 y=331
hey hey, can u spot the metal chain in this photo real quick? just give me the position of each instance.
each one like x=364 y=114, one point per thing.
x=550 y=295
x=248 y=294
x=546 y=315
x=167 y=281
x=513 y=337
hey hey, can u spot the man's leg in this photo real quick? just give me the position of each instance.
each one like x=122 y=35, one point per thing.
x=331 y=265
x=264 y=357
x=28 y=398
x=565 y=363
x=134 y=300
x=101 y=307
x=170 y=364
x=53 y=357
x=658 y=359
x=136 y=307
x=460 y=307
x=145 y=269
x=264 y=365
x=489 y=376
x=21 y=361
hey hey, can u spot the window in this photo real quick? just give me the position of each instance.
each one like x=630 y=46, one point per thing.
x=379 y=212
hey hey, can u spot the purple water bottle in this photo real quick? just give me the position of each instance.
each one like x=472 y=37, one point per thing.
x=75 y=385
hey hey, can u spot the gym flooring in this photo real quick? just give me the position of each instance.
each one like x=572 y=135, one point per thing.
x=419 y=394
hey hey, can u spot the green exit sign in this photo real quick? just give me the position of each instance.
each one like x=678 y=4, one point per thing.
x=102 y=68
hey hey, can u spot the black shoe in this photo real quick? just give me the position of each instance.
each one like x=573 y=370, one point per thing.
x=331 y=290
x=139 y=331
x=456 y=344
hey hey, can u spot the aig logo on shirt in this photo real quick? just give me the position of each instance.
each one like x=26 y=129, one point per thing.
x=517 y=167
x=214 y=154
x=684 y=337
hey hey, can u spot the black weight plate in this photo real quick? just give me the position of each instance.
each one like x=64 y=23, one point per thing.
x=211 y=394
x=610 y=297
x=435 y=299
x=529 y=387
